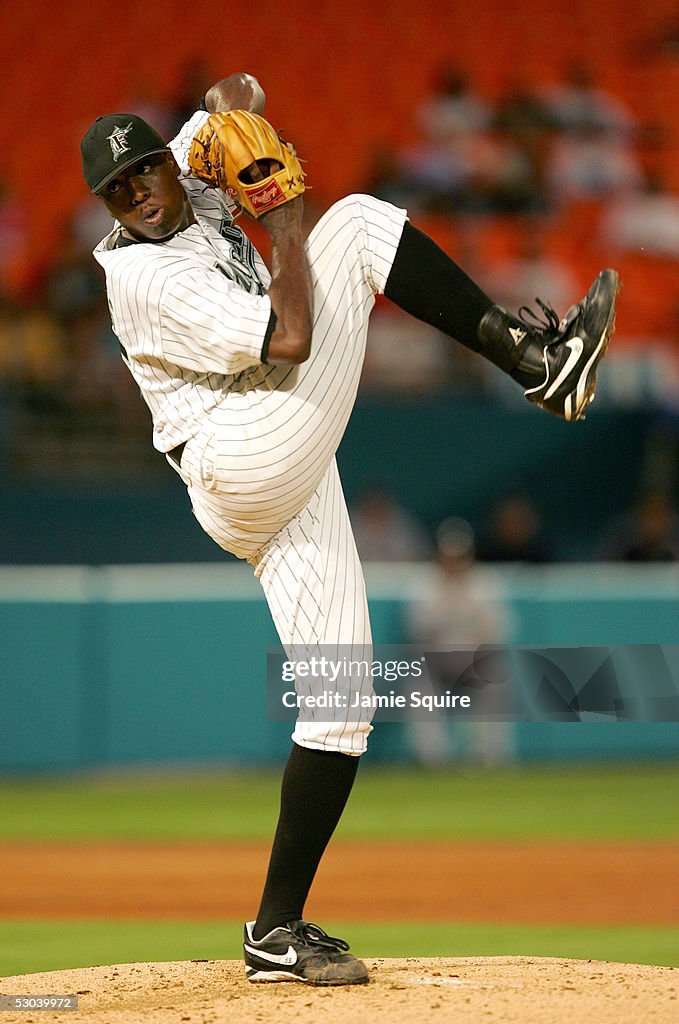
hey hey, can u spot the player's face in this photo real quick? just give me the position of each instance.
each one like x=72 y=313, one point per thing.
x=148 y=199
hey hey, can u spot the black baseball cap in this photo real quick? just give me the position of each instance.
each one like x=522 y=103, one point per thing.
x=113 y=143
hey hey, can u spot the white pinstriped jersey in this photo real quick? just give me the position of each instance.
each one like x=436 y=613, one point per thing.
x=191 y=313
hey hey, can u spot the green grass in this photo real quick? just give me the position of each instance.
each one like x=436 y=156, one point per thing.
x=596 y=803
x=600 y=802
x=30 y=946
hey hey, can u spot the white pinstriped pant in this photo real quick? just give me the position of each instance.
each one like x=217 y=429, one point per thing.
x=262 y=475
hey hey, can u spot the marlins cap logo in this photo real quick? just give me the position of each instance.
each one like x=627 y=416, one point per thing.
x=118 y=140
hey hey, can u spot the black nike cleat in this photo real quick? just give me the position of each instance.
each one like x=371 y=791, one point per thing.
x=300 y=951
x=556 y=361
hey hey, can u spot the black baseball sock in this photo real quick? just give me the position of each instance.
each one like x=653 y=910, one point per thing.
x=427 y=283
x=315 y=788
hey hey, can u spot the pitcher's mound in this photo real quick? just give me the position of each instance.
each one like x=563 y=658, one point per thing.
x=525 y=990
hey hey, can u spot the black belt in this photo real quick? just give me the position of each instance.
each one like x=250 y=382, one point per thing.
x=176 y=454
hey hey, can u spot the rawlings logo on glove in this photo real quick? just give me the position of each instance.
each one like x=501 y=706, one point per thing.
x=224 y=151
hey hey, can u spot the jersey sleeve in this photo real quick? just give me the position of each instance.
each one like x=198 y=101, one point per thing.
x=210 y=325
x=211 y=203
x=181 y=144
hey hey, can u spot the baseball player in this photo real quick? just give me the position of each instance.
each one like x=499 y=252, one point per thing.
x=250 y=377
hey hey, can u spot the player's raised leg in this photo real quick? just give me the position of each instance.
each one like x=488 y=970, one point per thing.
x=555 y=361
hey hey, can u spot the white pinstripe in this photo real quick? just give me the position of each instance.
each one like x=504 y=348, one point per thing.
x=259 y=460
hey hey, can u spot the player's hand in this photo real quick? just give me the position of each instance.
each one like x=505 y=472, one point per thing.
x=259 y=170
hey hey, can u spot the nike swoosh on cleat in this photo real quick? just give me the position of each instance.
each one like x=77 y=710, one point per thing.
x=275 y=958
x=576 y=345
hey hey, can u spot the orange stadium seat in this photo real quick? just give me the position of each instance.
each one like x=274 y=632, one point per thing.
x=649 y=299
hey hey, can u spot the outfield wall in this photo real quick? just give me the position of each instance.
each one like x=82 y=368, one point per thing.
x=130 y=665
x=436 y=455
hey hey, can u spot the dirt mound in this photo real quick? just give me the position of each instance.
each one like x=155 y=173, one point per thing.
x=523 y=990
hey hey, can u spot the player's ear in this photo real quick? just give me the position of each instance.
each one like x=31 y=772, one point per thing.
x=173 y=164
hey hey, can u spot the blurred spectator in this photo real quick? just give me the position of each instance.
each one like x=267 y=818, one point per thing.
x=146 y=101
x=453 y=107
x=525 y=119
x=532 y=272
x=33 y=360
x=648 y=533
x=438 y=174
x=515 y=534
x=31 y=344
x=98 y=392
x=644 y=221
x=438 y=170
x=462 y=605
x=386 y=532
x=661 y=42
x=579 y=104
x=592 y=163
x=525 y=115
x=74 y=284
x=503 y=177
x=668 y=41
x=91 y=222
x=387 y=178
x=73 y=382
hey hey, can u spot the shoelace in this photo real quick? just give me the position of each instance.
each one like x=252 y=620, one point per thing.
x=548 y=324
x=315 y=936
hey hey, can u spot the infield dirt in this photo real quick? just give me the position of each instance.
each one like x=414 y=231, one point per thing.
x=534 y=883
x=511 y=990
